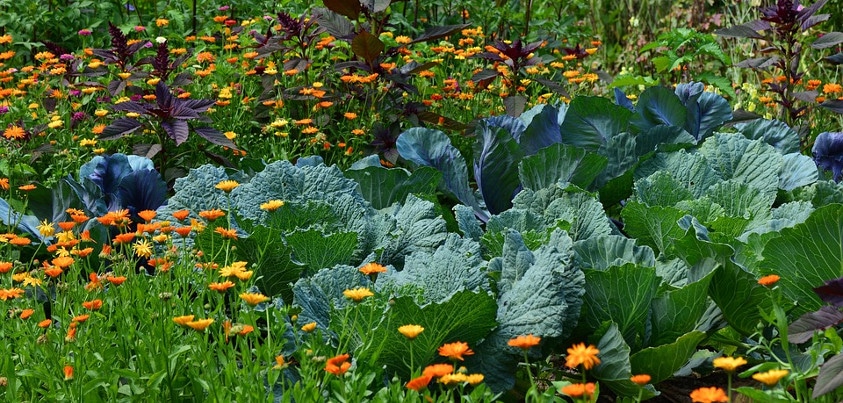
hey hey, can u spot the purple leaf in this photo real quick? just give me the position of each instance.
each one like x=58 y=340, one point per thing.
x=830 y=376
x=739 y=31
x=803 y=329
x=439 y=32
x=834 y=105
x=828 y=40
x=119 y=128
x=214 y=136
x=131 y=106
x=176 y=129
x=836 y=59
x=828 y=153
x=198 y=105
x=831 y=292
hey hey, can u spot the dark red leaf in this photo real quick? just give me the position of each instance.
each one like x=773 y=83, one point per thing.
x=803 y=329
x=831 y=292
x=119 y=128
x=367 y=47
x=348 y=8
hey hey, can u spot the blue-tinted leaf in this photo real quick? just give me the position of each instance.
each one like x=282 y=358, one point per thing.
x=622 y=295
x=622 y=100
x=828 y=153
x=142 y=190
x=773 y=132
x=615 y=369
x=591 y=121
x=433 y=148
x=542 y=130
x=660 y=362
x=828 y=40
x=659 y=106
x=706 y=112
x=106 y=172
x=607 y=251
x=497 y=155
x=382 y=186
x=797 y=170
x=834 y=105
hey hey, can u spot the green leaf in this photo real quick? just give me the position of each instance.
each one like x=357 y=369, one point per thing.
x=591 y=121
x=660 y=362
x=677 y=312
x=466 y=316
x=603 y=252
x=661 y=189
x=322 y=293
x=622 y=295
x=773 y=132
x=560 y=163
x=740 y=298
x=797 y=170
x=653 y=226
x=693 y=171
x=554 y=204
x=418 y=227
x=806 y=256
x=741 y=200
x=734 y=156
x=615 y=369
x=275 y=272
x=317 y=250
x=384 y=186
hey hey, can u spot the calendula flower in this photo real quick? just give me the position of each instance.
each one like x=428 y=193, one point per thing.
x=474 y=379
x=410 y=331
x=62 y=262
x=182 y=320
x=45 y=323
x=221 y=287
x=455 y=350
x=279 y=362
x=116 y=280
x=27 y=187
x=68 y=372
x=576 y=390
x=453 y=379
x=92 y=305
x=142 y=248
x=709 y=395
x=771 y=377
x=181 y=214
x=147 y=215
x=46 y=228
x=358 y=294
x=226 y=233
x=372 y=268
x=640 y=379
x=419 y=383
x=26 y=313
x=579 y=354
x=227 y=185
x=338 y=365
x=728 y=364
x=5 y=267
x=211 y=215
x=438 y=370
x=524 y=342
x=199 y=325
x=253 y=298
x=309 y=327
x=272 y=205
x=80 y=318
x=769 y=280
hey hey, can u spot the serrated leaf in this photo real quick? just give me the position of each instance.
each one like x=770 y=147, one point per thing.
x=418 y=227
x=554 y=204
x=734 y=156
x=661 y=189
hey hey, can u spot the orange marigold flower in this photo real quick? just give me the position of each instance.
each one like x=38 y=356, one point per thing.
x=68 y=372
x=14 y=133
x=67 y=225
x=26 y=313
x=640 y=379
x=92 y=305
x=579 y=354
x=71 y=334
x=709 y=395
x=182 y=320
x=453 y=379
x=147 y=215
x=81 y=318
x=62 y=262
x=221 y=287
x=226 y=233
x=338 y=365
x=181 y=214
x=832 y=88
x=203 y=57
x=576 y=390
x=769 y=280
x=27 y=188
x=372 y=268
x=419 y=383
x=455 y=350
x=524 y=342
x=437 y=370
x=183 y=231
x=253 y=298
x=4 y=183
x=771 y=377
x=124 y=238
x=45 y=323
x=5 y=267
x=116 y=280
x=53 y=271
x=309 y=327
x=20 y=241
x=199 y=325
x=211 y=215
x=410 y=331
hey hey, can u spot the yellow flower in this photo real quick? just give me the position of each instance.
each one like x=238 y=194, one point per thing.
x=771 y=377
x=182 y=320
x=410 y=331
x=272 y=205
x=199 y=325
x=729 y=364
x=309 y=327
x=474 y=379
x=453 y=379
x=253 y=298
x=46 y=228
x=142 y=248
x=357 y=294
x=579 y=354
x=227 y=185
